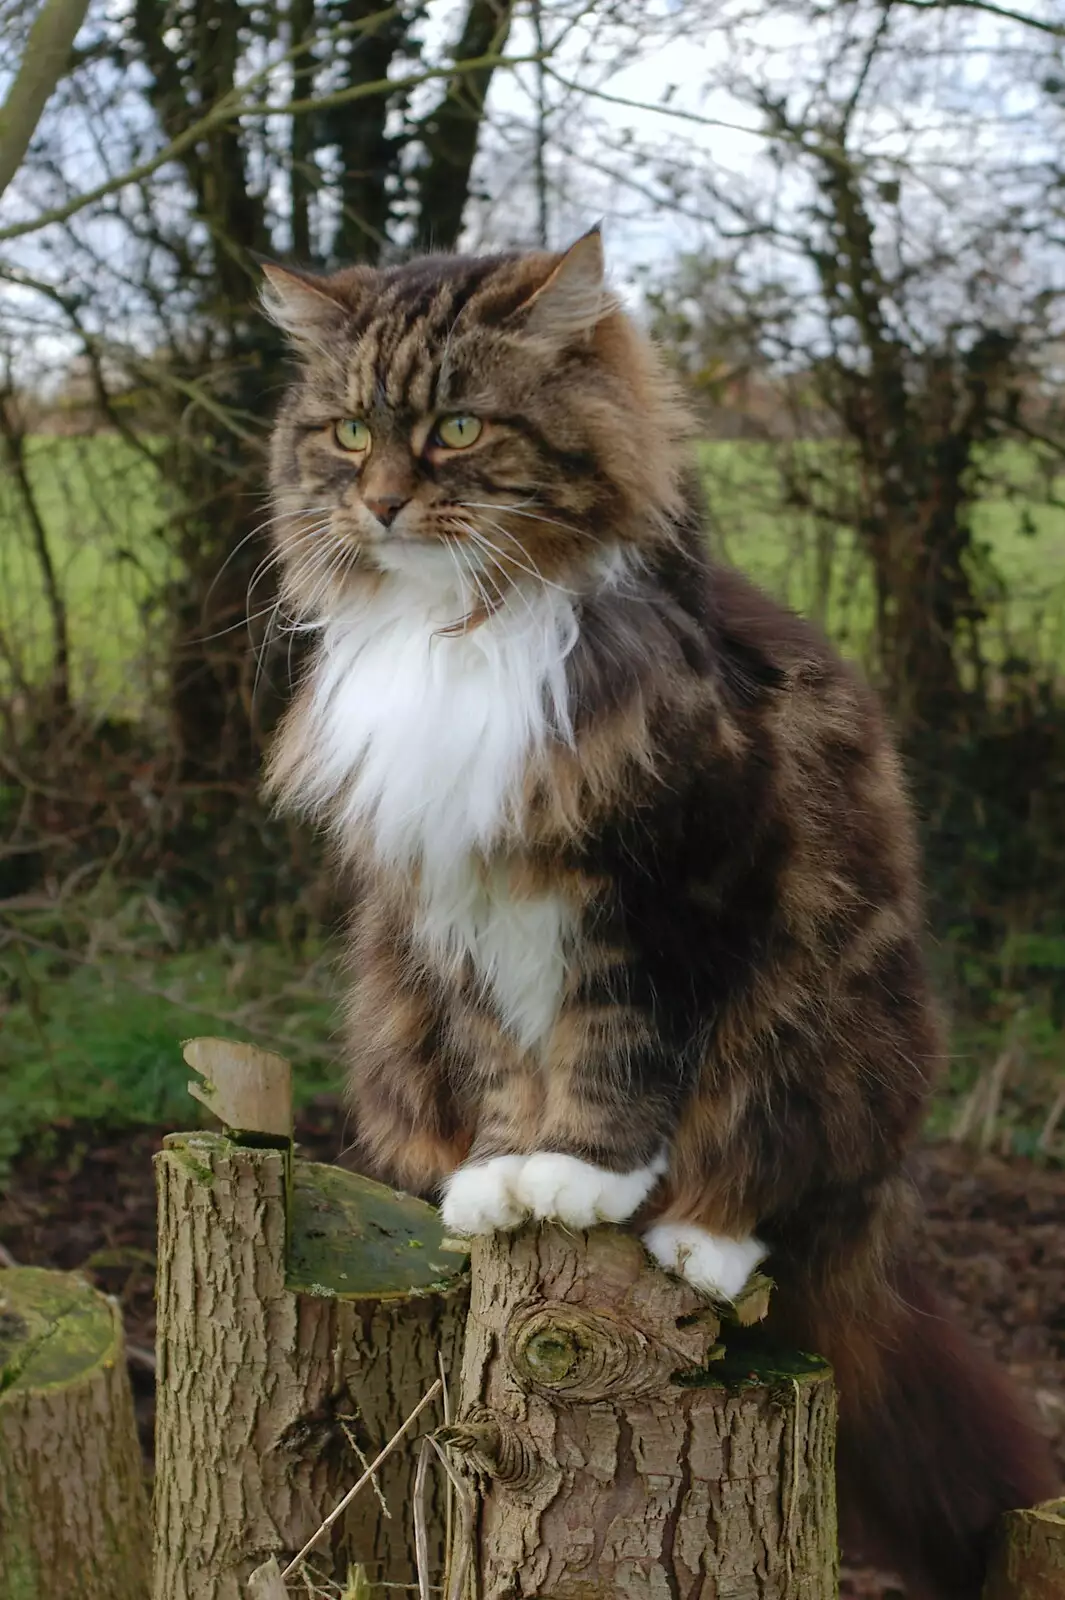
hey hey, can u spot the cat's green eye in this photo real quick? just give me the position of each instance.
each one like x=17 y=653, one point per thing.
x=351 y=434
x=458 y=432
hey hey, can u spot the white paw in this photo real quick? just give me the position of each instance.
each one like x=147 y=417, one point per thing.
x=481 y=1198
x=719 y=1267
x=568 y=1190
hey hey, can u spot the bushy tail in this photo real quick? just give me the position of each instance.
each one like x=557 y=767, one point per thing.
x=934 y=1444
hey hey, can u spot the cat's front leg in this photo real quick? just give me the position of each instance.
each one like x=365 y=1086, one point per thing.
x=596 y=1143
x=409 y=1128
x=706 y=1229
x=481 y=1196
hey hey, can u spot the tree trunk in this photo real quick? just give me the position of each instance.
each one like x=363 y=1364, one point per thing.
x=13 y=430
x=620 y=1454
x=1030 y=1560
x=285 y=1364
x=364 y=131
x=451 y=131
x=73 y=1507
x=44 y=62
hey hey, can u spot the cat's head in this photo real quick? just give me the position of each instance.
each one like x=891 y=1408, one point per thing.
x=478 y=424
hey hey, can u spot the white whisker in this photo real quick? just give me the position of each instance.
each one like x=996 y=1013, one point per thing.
x=475 y=578
x=283 y=553
x=278 y=516
x=333 y=559
x=512 y=588
x=449 y=546
x=286 y=563
x=535 y=516
x=533 y=571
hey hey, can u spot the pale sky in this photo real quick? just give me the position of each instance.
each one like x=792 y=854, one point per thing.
x=954 y=111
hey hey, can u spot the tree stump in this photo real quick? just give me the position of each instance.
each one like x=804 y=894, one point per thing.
x=618 y=1452
x=73 y=1507
x=303 y=1312
x=1029 y=1562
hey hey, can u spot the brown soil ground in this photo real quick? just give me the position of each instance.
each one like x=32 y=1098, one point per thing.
x=996 y=1240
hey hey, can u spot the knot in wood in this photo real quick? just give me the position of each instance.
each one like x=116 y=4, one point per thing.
x=494 y=1447
x=568 y=1352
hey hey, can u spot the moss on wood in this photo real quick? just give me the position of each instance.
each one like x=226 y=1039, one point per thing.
x=75 y=1512
x=303 y=1312
x=350 y=1236
x=616 y=1450
x=53 y=1330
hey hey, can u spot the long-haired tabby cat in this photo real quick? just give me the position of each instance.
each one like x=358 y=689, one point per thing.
x=637 y=924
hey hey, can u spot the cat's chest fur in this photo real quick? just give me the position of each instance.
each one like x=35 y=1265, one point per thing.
x=420 y=741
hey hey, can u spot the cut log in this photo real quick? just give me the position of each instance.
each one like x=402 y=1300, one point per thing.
x=1029 y=1563
x=73 y=1507
x=618 y=1452
x=303 y=1312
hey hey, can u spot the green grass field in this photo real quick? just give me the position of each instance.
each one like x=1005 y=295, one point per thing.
x=104 y=512
x=95 y=1034
x=816 y=567
x=105 y=517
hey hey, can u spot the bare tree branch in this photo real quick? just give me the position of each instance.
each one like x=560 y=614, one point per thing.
x=1055 y=29
x=44 y=62
x=234 y=107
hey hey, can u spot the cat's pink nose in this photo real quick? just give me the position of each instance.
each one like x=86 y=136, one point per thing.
x=386 y=507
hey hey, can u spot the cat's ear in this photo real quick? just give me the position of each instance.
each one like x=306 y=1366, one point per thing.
x=307 y=308
x=574 y=297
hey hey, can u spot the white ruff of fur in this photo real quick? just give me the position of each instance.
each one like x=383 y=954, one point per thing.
x=422 y=739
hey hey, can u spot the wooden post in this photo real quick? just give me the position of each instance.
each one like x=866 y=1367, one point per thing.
x=73 y=1507
x=1029 y=1562
x=610 y=1446
x=303 y=1312
x=619 y=1453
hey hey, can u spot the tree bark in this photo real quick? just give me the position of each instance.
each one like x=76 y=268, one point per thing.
x=13 y=431
x=370 y=153
x=303 y=1312
x=618 y=1453
x=219 y=700
x=73 y=1507
x=45 y=61
x=1030 y=1560
x=451 y=131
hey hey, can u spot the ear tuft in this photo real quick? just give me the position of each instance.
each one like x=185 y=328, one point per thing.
x=303 y=306
x=574 y=297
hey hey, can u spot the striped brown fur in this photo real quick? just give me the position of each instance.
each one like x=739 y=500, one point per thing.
x=727 y=830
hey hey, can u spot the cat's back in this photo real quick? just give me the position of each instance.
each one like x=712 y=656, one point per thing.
x=774 y=763
x=831 y=779
x=807 y=716
x=769 y=647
